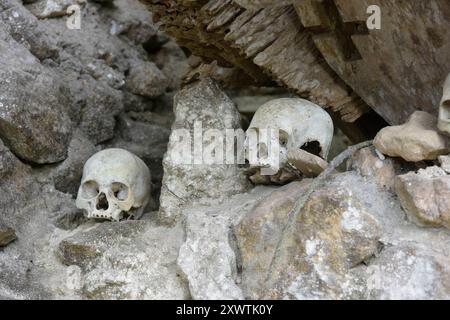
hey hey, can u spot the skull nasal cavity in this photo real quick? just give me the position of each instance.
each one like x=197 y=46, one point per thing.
x=102 y=202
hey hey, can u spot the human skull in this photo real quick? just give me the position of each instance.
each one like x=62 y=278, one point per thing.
x=115 y=186
x=444 y=109
x=301 y=125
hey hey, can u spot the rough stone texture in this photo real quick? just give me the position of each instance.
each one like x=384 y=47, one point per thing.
x=69 y=218
x=26 y=30
x=15 y=179
x=445 y=163
x=147 y=80
x=51 y=8
x=425 y=196
x=415 y=140
x=27 y=266
x=369 y=164
x=283 y=42
x=408 y=271
x=33 y=121
x=130 y=260
x=80 y=74
x=307 y=163
x=259 y=42
x=396 y=70
x=209 y=258
x=351 y=241
x=100 y=105
x=7 y=235
x=334 y=234
x=186 y=183
x=325 y=255
x=68 y=174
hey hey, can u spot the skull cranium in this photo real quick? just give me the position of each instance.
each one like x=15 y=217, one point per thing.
x=301 y=125
x=115 y=186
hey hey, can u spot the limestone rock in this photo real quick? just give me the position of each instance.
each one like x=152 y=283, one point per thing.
x=368 y=164
x=333 y=234
x=26 y=30
x=307 y=163
x=130 y=260
x=209 y=258
x=33 y=120
x=92 y=63
x=16 y=183
x=69 y=218
x=408 y=271
x=147 y=80
x=351 y=241
x=185 y=182
x=414 y=141
x=28 y=268
x=7 y=235
x=44 y=9
x=100 y=105
x=425 y=196
x=445 y=163
x=132 y=20
x=67 y=175
x=173 y=63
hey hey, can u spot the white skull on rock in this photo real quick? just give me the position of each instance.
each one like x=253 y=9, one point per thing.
x=301 y=125
x=115 y=186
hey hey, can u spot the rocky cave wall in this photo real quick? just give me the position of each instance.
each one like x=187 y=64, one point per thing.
x=365 y=233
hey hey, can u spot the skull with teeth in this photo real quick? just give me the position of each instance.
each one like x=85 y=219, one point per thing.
x=301 y=125
x=115 y=186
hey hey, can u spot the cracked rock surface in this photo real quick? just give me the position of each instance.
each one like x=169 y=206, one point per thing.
x=376 y=231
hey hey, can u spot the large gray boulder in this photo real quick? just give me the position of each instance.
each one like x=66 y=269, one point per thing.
x=209 y=258
x=33 y=119
x=350 y=241
x=185 y=182
x=131 y=260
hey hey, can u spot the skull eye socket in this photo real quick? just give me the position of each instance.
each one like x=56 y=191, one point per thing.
x=90 y=189
x=312 y=147
x=283 y=138
x=120 y=191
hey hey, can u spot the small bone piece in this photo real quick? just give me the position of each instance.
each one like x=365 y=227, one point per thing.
x=444 y=109
x=115 y=186
x=307 y=163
